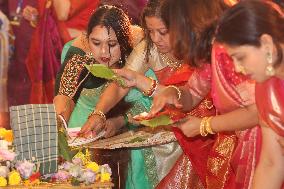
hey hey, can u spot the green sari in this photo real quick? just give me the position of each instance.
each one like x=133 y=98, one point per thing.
x=142 y=172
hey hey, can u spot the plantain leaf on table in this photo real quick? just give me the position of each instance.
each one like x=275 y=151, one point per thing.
x=102 y=71
x=160 y=120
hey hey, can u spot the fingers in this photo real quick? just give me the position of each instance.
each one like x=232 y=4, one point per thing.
x=176 y=103
x=30 y=13
x=91 y=126
x=157 y=106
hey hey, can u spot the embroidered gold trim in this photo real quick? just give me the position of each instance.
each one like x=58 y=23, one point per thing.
x=69 y=82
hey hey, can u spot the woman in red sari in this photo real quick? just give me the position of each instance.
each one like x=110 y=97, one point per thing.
x=258 y=52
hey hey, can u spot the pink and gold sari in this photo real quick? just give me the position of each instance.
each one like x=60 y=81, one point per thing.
x=234 y=156
x=228 y=161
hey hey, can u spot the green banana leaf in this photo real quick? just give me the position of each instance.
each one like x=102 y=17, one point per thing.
x=160 y=120
x=102 y=71
x=64 y=150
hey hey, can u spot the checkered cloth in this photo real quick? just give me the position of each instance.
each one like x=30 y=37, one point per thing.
x=35 y=134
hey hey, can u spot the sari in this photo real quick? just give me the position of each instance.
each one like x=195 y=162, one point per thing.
x=4 y=62
x=84 y=90
x=43 y=59
x=232 y=160
x=270 y=103
x=158 y=161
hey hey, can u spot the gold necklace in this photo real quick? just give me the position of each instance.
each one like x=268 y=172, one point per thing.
x=171 y=63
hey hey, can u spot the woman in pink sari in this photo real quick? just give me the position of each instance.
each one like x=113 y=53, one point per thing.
x=258 y=53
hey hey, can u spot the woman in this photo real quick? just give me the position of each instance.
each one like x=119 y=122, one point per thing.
x=258 y=52
x=155 y=53
x=107 y=42
x=229 y=165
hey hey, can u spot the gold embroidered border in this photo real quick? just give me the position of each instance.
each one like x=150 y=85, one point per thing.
x=70 y=78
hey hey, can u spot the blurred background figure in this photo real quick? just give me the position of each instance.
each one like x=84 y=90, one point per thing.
x=4 y=62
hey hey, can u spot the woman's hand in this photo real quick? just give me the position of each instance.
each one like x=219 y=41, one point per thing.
x=167 y=95
x=113 y=125
x=30 y=13
x=190 y=126
x=129 y=76
x=93 y=125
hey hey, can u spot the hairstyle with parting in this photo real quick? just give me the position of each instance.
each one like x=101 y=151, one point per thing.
x=152 y=9
x=113 y=17
x=244 y=24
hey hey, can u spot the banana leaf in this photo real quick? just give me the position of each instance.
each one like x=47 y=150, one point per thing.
x=64 y=150
x=102 y=71
x=160 y=120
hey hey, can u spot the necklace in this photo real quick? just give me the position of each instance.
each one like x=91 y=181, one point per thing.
x=171 y=63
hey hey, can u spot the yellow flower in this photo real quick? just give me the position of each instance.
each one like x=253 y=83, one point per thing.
x=14 y=178
x=93 y=166
x=3 y=181
x=2 y=132
x=8 y=136
x=105 y=177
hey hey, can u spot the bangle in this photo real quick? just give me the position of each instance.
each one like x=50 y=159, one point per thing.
x=177 y=89
x=99 y=113
x=208 y=127
x=150 y=92
x=205 y=126
x=202 y=130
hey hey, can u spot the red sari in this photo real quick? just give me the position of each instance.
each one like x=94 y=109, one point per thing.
x=229 y=161
x=43 y=60
x=270 y=103
x=189 y=165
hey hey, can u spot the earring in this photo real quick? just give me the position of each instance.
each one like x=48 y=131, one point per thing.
x=120 y=61
x=269 y=69
x=241 y=69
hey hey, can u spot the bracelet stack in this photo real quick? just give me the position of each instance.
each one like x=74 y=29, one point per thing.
x=99 y=113
x=205 y=126
x=177 y=89
x=150 y=92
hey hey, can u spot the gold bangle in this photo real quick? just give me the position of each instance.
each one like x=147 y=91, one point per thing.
x=99 y=113
x=177 y=89
x=208 y=125
x=202 y=130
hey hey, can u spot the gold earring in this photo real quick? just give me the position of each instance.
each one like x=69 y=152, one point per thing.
x=240 y=69
x=269 y=71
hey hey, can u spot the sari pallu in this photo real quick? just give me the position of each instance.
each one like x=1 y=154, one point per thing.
x=185 y=172
x=234 y=156
x=43 y=60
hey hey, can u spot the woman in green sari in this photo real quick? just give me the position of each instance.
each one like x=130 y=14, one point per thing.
x=107 y=41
